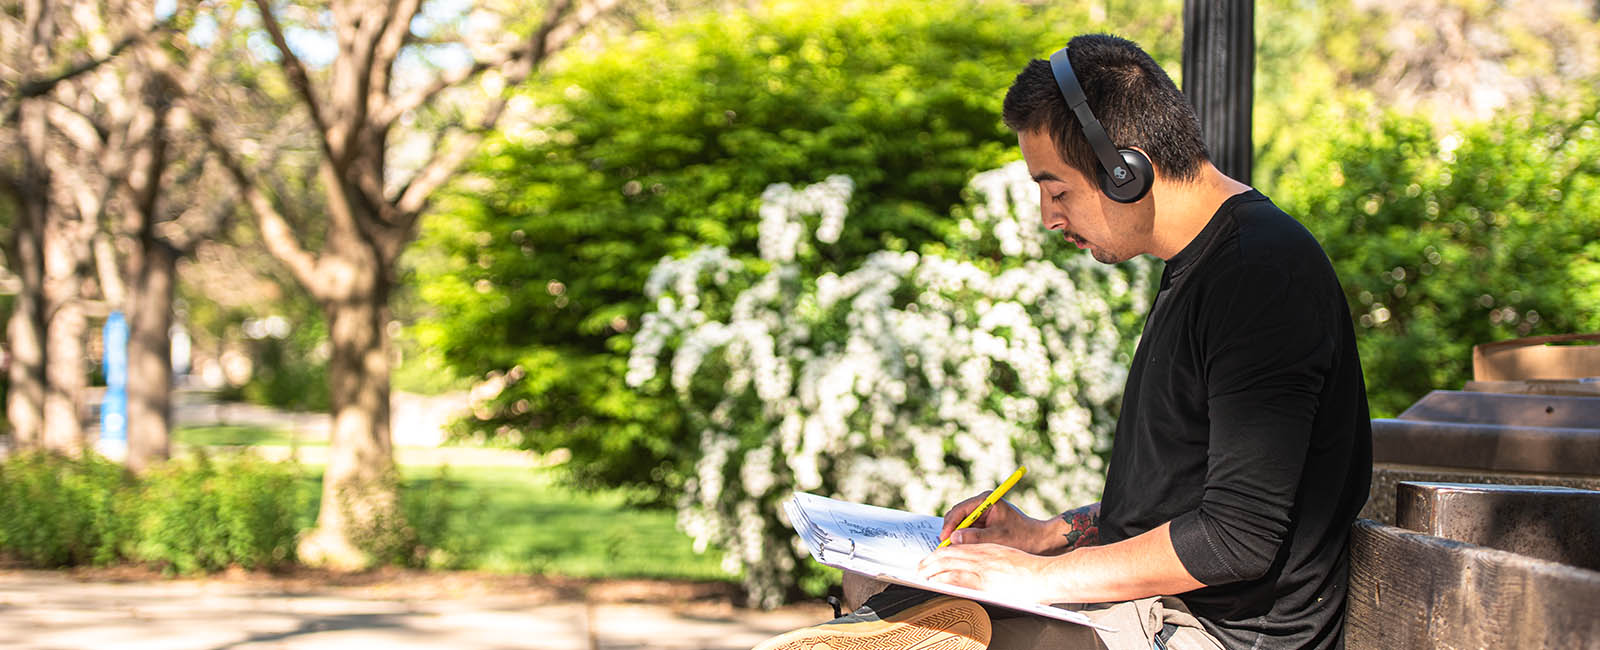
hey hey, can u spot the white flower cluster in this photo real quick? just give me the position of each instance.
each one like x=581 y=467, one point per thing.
x=781 y=231
x=911 y=381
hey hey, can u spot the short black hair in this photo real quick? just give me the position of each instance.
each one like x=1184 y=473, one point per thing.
x=1131 y=96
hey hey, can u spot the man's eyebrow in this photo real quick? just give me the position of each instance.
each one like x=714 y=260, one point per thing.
x=1045 y=176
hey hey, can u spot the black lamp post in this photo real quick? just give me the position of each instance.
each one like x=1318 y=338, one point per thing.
x=1219 y=63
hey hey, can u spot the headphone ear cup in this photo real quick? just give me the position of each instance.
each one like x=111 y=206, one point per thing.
x=1144 y=176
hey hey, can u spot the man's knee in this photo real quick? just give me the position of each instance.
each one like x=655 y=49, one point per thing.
x=858 y=588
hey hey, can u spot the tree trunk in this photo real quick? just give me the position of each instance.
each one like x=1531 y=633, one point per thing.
x=150 y=354
x=66 y=325
x=153 y=268
x=66 y=278
x=66 y=380
x=25 y=341
x=25 y=329
x=360 y=502
x=66 y=375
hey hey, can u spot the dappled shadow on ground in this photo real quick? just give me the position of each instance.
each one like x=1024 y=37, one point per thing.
x=322 y=624
x=389 y=608
x=390 y=582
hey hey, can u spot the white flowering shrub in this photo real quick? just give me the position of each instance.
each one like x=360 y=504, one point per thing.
x=909 y=380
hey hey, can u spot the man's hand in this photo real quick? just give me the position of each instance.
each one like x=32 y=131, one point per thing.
x=1145 y=565
x=990 y=567
x=1001 y=524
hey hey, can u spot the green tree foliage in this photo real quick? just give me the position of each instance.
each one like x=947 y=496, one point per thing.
x=664 y=142
x=1448 y=239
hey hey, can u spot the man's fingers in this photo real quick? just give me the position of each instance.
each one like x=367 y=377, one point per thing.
x=974 y=536
x=951 y=566
x=958 y=578
x=959 y=513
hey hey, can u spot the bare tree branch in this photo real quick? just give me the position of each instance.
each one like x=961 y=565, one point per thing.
x=538 y=46
x=77 y=128
x=424 y=94
x=211 y=221
x=386 y=44
x=30 y=88
x=276 y=232
x=108 y=270
x=552 y=35
x=298 y=77
x=148 y=139
x=436 y=172
x=77 y=191
x=385 y=49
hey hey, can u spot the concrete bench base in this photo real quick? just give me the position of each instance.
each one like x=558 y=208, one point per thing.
x=1557 y=524
x=1416 y=591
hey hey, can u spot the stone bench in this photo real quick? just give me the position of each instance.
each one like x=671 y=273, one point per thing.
x=1556 y=524
x=1478 y=566
x=1468 y=437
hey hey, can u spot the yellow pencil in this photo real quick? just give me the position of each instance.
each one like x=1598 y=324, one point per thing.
x=993 y=497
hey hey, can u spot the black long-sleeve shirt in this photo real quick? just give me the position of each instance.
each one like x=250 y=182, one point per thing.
x=1245 y=424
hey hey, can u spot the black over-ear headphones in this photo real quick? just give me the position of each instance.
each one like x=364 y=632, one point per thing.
x=1125 y=174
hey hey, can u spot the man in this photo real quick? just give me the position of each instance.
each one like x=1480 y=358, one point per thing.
x=1243 y=450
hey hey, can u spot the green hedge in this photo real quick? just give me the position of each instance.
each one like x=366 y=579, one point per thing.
x=1445 y=238
x=207 y=514
x=187 y=516
x=58 y=511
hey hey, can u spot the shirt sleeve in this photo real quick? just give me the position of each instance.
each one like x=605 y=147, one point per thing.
x=1267 y=351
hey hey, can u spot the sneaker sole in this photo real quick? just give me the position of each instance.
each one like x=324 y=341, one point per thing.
x=940 y=624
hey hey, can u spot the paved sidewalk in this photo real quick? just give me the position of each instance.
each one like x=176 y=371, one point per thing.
x=414 y=420
x=50 y=610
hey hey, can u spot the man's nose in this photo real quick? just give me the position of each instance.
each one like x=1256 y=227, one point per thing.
x=1051 y=219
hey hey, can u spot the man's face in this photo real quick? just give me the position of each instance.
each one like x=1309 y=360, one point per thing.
x=1074 y=206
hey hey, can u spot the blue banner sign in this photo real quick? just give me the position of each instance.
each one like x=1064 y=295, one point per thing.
x=114 y=408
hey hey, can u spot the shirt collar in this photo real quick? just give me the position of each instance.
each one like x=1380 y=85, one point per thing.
x=1197 y=247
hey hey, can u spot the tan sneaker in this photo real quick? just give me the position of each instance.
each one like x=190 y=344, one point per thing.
x=896 y=619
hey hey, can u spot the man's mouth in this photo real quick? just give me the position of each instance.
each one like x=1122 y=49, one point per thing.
x=1076 y=240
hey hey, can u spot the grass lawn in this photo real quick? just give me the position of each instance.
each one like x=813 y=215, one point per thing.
x=519 y=520
x=516 y=520
x=232 y=435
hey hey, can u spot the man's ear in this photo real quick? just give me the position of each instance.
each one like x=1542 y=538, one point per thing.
x=1153 y=167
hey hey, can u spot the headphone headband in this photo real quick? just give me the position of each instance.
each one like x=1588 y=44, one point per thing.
x=1110 y=160
x=1125 y=175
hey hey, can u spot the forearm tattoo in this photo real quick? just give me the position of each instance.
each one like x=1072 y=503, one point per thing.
x=1083 y=526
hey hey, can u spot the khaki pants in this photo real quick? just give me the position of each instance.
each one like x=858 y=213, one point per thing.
x=1137 y=624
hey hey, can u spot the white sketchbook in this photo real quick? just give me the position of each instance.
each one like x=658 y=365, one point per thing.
x=887 y=544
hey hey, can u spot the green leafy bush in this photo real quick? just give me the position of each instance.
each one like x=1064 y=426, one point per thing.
x=205 y=514
x=432 y=526
x=662 y=143
x=1443 y=240
x=442 y=512
x=61 y=511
